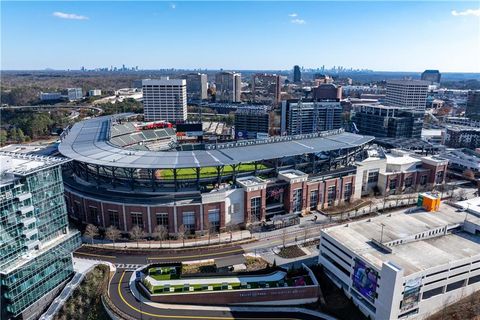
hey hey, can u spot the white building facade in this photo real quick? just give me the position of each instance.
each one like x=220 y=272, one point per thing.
x=165 y=99
x=404 y=265
x=408 y=94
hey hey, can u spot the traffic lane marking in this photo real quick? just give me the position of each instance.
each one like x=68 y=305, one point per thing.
x=119 y=291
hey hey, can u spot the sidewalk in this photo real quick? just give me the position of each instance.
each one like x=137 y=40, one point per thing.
x=223 y=238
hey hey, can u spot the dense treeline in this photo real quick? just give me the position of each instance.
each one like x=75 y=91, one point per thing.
x=23 y=126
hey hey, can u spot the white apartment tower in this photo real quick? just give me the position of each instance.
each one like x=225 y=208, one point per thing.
x=408 y=94
x=228 y=86
x=165 y=99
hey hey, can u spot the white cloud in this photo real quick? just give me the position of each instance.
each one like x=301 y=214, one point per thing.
x=293 y=15
x=69 y=16
x=468 y=12
x=298 y=21
x=173 y=6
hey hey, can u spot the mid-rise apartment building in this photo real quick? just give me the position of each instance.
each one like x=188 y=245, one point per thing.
x=252 y=122
x=462 y=137
x=407 y=94
x=306 y=116
x=36 y=244
x=266 y=88
x=74 y=94
x=165 y=99
x=228 y=86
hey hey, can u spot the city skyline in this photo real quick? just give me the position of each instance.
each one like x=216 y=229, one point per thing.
x=390 y=36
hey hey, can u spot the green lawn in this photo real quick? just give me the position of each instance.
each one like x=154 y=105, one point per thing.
x=208 y=172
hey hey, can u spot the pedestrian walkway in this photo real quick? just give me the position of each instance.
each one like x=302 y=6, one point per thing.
x=128 y=267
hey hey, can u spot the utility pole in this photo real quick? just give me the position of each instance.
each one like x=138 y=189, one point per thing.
x=381 y=235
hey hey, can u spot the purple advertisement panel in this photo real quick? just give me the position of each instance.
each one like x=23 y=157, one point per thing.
x=365 y=280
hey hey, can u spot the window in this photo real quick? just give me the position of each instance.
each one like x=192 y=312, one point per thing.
x=439 y=177
x=113 y=218
x=93 y=215
x=214 y=218
x=76 y=208
x=137 y=219
x=408 y=182
x=431 y=293
x=392 y=184
x=423 y=180
x=347 y=192
x=297 y=200
x=188 y=220
x=313 y=199
x=331 y=195
x=162 y=219
x=372 y=177
x=255 y=209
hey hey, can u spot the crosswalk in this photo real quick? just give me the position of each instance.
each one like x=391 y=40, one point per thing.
x=128 y=267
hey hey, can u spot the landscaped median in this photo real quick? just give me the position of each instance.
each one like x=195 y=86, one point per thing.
x=166 y=283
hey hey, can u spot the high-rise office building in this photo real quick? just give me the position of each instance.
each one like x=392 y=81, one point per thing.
x=197 y=86
x=297 y=74
x=387 y=121
x=299 y=117
x=432 y=76
x=35 y=243
x=266 y=88
x=407 y=94
x=473 y=104
x=165 y=99
x=252 y=122
x=228 y=87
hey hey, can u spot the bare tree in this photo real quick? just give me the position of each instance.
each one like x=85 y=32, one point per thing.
x=461 y=194
x=112 y=234
x=91 y=232
x=284 y=236
x=136 y=233
x=182 y=233
x=160 y=233
x=230 y=227
x=207 y=226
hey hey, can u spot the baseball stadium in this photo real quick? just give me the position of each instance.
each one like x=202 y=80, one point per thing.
x=125 y=173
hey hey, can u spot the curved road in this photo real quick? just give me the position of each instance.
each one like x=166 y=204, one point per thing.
x=123 y=299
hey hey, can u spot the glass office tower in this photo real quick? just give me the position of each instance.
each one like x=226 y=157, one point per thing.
x=35 y=243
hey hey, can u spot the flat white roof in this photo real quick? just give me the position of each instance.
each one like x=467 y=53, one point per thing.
x=416 y=255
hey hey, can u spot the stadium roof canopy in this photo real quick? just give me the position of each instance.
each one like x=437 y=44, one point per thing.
x=88 y=141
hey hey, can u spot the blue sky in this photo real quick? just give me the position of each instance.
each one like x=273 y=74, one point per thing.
x=379 y=35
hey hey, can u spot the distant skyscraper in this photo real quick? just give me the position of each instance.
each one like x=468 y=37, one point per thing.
x=407 y=94
x=165 y=99
x=36 y=244
x=473 y=104
x=196 y=86
x=266 y=88
x=432 y=76
x=297 y=74
x=228 y=86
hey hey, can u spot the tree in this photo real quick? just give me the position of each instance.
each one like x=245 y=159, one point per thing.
x=182 y=233
x=160 y=233
x=3 y=137
x=207 y=226
x=91 y=232
x=230 y=227
x=112 y=234
x=136 y=233
x=284 y=236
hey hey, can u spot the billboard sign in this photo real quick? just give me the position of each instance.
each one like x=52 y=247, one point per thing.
x=190 y=129
x=411 y=294
x=365 y=280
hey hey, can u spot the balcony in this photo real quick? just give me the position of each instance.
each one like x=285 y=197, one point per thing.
x=24 y=196
x=24 y=210
x=28 y=221
x=29 y=233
